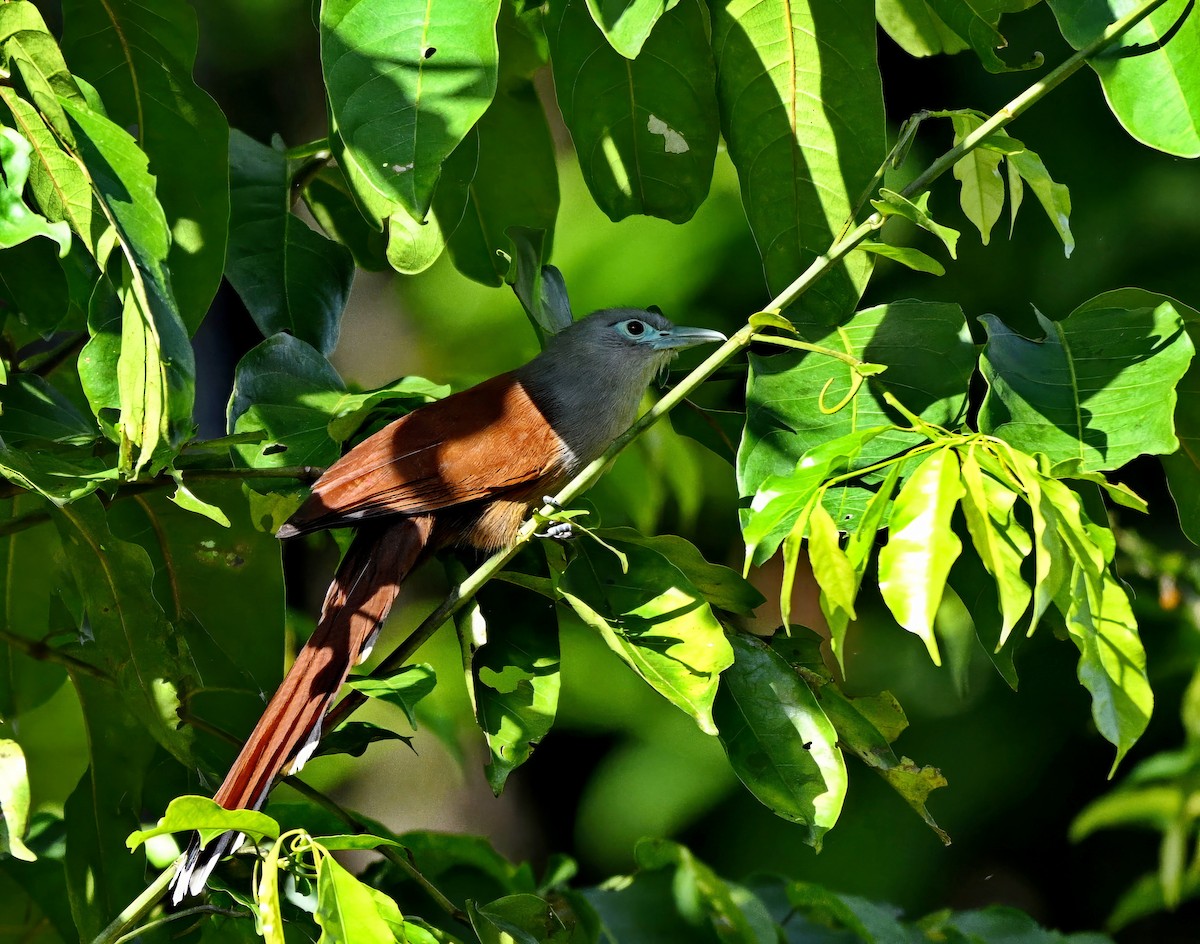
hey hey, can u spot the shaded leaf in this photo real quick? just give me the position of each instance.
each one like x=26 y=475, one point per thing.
x=802 y=112
x=404 y=689
x=655 y=619
x=289 y=277
x=17 y=222
x=354 y=737
x=328 y=198
x=1054 y=198
x=645 y=130
x=1099 y=387
x=905 y=255
x=140 y=58
x=779 y=741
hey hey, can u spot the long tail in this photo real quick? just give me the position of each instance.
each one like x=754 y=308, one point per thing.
x=356 y=605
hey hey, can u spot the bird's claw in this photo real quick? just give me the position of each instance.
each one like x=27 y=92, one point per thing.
x=558 y=531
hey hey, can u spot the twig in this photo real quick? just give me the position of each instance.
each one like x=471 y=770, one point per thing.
x=43 y=652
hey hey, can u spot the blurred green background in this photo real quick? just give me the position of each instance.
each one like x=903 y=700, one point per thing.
x=621 y=763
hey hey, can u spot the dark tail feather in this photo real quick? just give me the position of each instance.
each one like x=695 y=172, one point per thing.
x=358 y=601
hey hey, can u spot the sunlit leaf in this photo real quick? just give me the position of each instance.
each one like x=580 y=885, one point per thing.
x=1099 y=387
x=915 y=562
x=802 y=112
x=17 y=222
x=203 y=815
x=14 y=801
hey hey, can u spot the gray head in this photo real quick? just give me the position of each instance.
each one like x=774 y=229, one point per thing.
x=591 y=377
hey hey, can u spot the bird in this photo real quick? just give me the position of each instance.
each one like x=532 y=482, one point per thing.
x=462 y=471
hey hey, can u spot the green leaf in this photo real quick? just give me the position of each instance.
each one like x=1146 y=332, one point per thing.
x=905 y=255
x=915 y=562
x=929 y=356
x=866 y=726
x=213 y=582
x=102 y=878
x=916 y=28
x=275 y=387
x=626 y=24
x=31 y=51
x=722 y=587
x=978 y=173
x=30 y=583
x=328 y=198
x=1054 y=198
x=286 y=389
x=140 y=57
x=354 y=737
x=513 y=182
x=779 y=741
x=61 y=475
x=14 y=802
x=645 y=130
x=539 y=288
x=156 y=366
x=406 y=81
x=17 y=222
x=654 y=618
x=132 y=638
x=964 y=18
x=1112 y=662
x=1154 y=92
x=1001 y=542
x=350 y=912
x=805 y=127
x=529 y=919
x=780 y=499
x=515 y=684
x=404 y=689
x=32 y=410
x=290 y=277
x=835 y=575
x=896 y=204
x=209 y=819
x=1099 y=388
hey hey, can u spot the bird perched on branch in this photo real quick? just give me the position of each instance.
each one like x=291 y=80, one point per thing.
x=461 y=471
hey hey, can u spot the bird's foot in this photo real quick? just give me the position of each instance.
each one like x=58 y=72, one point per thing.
x=558 y=531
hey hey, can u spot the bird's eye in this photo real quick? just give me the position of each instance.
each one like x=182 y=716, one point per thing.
x=634 y=328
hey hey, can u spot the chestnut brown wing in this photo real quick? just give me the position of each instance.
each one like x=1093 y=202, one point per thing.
x=485 y=442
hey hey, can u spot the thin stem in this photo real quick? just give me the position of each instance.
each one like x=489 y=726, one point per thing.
x=185 y=913
x=36 y=649
x=136 y=910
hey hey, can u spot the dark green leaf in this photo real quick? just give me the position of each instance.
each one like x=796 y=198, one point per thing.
x=354 y=737
x=805 y=129
x=723 y=588
x=406 y=82
x=131 y=637
x=917 y=211
x=328 y=198
x=290 y=277
x=1155 y=94
x=404 y=689
x=32 y=409
x=513 y=182
x=528 y=919
x=140 y=58
x=645 y=130
x=967 y=21
x=515 y=681
x=1099 y=387
x=1054 y=198
x=30 y=572
x=102 y=878
x=779 y=741
x=539 y=288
